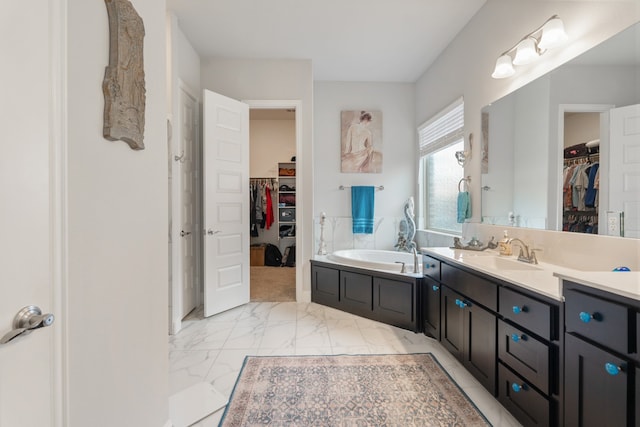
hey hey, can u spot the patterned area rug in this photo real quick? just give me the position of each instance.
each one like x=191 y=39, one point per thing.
x=368 y=390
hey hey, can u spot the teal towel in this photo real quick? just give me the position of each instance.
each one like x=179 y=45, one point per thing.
x=362 y=199
x=464 y=206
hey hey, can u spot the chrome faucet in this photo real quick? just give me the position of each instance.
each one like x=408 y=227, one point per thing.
x=526 y=254
x=416 y=263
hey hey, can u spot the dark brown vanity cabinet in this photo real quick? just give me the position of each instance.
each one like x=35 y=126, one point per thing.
x=468 y=331
x=507 y=337
x=601 y=358
x=431 y=296
x=528 y=357
x=387 y=298
x=431 y=307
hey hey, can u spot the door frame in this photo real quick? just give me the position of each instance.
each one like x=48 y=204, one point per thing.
x=301 y=209
x=555 y=205
x=175 y=135
x=58 y=211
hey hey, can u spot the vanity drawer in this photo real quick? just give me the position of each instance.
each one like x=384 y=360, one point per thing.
x=525 y=403
x=524 y=354
x=431 y=267
x=476 y=288
x=528 y=312
x=602 y=321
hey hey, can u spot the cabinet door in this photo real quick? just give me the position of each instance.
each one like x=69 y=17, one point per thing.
x=480 y=351
x=394 y=302
x=452 y=322
x=431 y=297
x=356 y=295
x=325 y=286
x=593 y=395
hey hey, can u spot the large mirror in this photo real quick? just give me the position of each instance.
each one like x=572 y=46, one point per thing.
x=583 y=115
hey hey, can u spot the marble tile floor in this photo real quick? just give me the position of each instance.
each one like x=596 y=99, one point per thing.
x=214 y=348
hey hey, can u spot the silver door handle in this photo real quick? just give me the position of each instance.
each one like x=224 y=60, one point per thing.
x=27 y=319
x=211 y=232
x=184 y=233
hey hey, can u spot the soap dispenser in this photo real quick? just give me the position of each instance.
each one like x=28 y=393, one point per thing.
x=504 y=245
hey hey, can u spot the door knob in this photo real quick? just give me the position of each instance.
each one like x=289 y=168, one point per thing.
x=184 y=233
x=27 y=319
x=211 y=232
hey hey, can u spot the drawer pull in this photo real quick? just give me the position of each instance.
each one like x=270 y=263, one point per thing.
x=586 y=317
x=461 y=303
x=612 y=369
x=435 y=288
x=516 y=337
x=517 y=387
x=518 y=310
x=426 y=266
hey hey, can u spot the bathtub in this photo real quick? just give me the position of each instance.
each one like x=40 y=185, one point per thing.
x=389 y=261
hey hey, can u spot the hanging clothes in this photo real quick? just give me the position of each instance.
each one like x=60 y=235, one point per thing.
x=269 y=208
x=591 y=193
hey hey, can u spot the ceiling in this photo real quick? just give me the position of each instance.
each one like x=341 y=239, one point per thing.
x=346 y=40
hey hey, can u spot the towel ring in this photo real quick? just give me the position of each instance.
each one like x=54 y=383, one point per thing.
x=466 y=180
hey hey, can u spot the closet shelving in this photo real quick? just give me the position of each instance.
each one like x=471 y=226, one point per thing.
x=287 y=200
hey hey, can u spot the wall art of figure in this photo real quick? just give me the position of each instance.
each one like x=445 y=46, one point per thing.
x=361 y=146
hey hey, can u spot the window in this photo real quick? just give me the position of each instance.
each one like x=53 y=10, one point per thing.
x=439 y=139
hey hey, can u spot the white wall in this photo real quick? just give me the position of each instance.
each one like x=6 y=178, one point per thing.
x=272 y=141
x=580 y=128
x=116 y=289
x=396 y=102
x=277 y=80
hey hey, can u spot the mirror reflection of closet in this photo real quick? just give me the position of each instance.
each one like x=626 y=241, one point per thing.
x=580 y=193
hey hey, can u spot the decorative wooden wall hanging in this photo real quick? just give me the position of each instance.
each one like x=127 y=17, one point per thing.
x=123 y=85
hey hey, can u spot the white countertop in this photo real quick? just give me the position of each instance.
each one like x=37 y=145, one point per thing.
x=624 y=283
x=546 y=280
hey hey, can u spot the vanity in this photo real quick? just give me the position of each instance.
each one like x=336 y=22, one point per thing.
x=505 y=332
x=556 y=346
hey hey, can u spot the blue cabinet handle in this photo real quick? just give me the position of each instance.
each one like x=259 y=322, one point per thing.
x=518 y=310
x=612 y=369
x=516 y=337
x=517 y=387
x=435 y=288
x=586 y=317
x=461 y=303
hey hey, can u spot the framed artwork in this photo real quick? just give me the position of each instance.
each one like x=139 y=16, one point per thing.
x=361 y=146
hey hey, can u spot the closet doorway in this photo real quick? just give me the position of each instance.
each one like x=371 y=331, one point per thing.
x=583 y=132
x=273 y=148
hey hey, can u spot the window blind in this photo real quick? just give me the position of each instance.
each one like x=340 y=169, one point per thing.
x=443 y=129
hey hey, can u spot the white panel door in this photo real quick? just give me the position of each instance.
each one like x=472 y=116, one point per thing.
x=26 y=362
x=188 y=237
x=226 y=203
x=624 y=192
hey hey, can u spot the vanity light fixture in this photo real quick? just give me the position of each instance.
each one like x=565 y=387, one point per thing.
x=549 y=35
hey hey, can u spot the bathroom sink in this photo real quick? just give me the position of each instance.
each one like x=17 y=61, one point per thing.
x=499 y=263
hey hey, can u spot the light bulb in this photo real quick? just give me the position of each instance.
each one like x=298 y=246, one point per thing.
x=504 y=67
x=526 y=52
x=553 y=34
